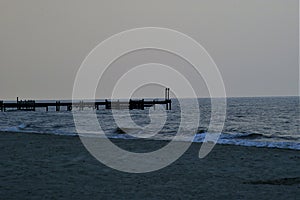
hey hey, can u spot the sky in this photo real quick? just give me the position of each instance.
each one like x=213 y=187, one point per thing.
x=254 y=43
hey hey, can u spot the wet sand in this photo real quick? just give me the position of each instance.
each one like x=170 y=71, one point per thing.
x=35 y=166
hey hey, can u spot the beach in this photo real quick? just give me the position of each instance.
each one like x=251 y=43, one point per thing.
x=45 y=166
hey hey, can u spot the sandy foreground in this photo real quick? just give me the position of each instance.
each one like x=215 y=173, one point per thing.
x=35 y=166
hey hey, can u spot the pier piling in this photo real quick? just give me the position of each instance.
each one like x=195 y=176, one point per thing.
x=167 y=99
x=57 y=106
x=69 y=108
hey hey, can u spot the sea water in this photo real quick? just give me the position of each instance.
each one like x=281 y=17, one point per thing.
x=257 y=121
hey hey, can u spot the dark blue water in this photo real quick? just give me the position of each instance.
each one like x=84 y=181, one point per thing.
x=260 y=121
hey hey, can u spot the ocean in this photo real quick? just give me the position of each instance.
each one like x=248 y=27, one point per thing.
x=271 y=122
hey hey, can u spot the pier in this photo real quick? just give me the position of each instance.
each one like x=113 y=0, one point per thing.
x=141 y=104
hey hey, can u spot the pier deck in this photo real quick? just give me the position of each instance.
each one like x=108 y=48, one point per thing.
x=31 y=105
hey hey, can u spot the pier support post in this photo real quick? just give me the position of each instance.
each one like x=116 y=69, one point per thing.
x=1 y=106
x=167 y=99
x=19 y=104
x=143 y=104
x=117 y=105
x=130 y=104
x=81 y=105
x=69 y=108
x=166 y=91
x=57 y=106
x=107 y=104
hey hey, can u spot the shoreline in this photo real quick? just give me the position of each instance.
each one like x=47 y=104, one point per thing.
x=145 y=139
x=56 y=166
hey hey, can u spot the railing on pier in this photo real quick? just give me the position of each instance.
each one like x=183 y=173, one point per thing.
x=27 y=105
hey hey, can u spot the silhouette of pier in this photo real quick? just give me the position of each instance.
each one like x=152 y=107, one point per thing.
x=141 y=104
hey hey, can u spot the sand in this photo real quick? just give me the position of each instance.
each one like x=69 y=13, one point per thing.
x=35 y=166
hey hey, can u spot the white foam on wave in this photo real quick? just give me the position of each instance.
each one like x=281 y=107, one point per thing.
x=241 y=139
x=18 y=128
x=236 y=139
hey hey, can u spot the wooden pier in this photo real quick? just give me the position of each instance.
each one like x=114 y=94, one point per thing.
x=141 y=104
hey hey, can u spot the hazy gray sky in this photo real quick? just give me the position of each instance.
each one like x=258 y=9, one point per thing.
x=42 y=43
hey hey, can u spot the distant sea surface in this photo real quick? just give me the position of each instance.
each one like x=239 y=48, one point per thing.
x=258 y=121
